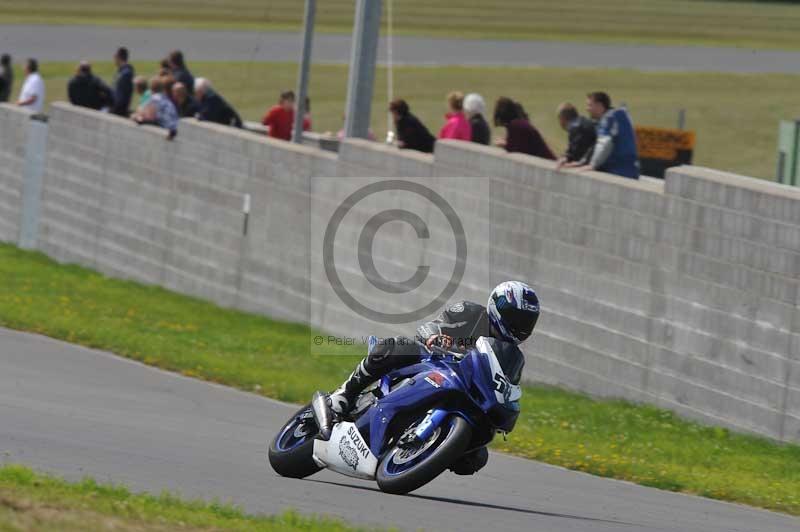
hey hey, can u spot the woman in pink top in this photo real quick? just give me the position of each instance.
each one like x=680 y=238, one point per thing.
x=457 y=125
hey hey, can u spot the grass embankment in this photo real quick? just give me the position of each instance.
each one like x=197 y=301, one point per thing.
x=736 y=131
x=608 y=438
x=677 y=22
x=33 y=502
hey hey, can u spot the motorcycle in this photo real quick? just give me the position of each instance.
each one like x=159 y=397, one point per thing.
x=412 y=424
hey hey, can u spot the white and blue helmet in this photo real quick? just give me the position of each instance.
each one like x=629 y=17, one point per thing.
x=513 y=309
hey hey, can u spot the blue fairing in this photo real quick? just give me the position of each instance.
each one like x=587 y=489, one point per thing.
x=432 y=381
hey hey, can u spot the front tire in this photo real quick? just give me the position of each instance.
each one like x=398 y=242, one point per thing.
x=400 y=471
x=291 y=450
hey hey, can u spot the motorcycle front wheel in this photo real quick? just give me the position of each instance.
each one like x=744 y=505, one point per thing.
x=403 y=470
x=291 y=451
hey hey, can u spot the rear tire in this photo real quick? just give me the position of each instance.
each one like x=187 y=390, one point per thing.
x=451 y=443
x=294 y=460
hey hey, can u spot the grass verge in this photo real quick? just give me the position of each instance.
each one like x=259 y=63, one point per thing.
x=33 y=502
x=734 y=133
x=614 y=439
x=677 y=22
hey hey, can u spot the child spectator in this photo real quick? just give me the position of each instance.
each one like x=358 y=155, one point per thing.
x=615 y=151
x=521 y=135
x=123 y=83
x=456 y=125
x=411 y=133
x=475 y=108
x=32 y=94
x=280 y=118
x=581 y=136
x=140 y=86
x=213 y=107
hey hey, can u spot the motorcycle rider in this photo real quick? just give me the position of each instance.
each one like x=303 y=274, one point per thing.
x=510 y=315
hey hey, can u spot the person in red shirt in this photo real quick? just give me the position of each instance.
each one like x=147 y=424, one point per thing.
x=280 y=118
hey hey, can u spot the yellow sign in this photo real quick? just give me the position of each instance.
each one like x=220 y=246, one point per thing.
x=663 y=143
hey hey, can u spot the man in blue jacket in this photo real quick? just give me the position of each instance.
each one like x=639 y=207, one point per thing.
x=615 y=150
x=123 y=83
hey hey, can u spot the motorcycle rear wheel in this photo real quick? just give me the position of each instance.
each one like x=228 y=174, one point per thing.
x=400 y=471
x=291 y=450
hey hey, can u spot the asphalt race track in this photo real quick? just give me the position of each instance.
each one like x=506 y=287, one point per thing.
x=71 y=43
x=76 y=412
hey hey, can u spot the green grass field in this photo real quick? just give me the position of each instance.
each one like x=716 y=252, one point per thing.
x=677 y=22
x=735 y=115
x=32 y=502
x=616 y=439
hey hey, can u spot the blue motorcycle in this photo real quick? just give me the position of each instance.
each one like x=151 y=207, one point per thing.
x=411 y=425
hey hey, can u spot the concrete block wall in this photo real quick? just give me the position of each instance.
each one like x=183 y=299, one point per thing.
x=681 y=293
x=14 y=128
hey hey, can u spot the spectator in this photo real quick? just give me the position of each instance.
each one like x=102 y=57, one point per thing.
x=521 y=135
x=615 y=150
x=581 y=136
x=179 y=70
x=32 y=94
x=184 y=103
x=159 y=110
x=123 y=83
x=411 y=133
x=307 y=115
x=87 y=90
x=213 y=107
x=475 y=108
x=6 y=77
x=142 y=89
x=457 y=126
x=280 y=118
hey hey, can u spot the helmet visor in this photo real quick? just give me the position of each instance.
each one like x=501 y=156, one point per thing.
x=519 y=322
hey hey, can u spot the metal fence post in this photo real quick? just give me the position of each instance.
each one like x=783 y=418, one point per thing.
x=305 y=65
x=366 y=30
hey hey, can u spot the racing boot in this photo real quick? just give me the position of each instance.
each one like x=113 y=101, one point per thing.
x=470 y=463
x=343 y=398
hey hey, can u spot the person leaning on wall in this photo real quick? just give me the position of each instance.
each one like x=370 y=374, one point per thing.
x=521 y=135
x=411 y=133
x=581 y=136
x=475 y=108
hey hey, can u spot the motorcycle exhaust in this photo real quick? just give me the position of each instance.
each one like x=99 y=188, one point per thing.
x=322 y=415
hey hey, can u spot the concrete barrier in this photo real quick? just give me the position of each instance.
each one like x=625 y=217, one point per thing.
x=681 y=293
x=14 y=132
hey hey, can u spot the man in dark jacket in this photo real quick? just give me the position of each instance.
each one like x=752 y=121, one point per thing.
x=581 y=135
x=213 y=107
x=411 y=133
x=6 y=77
x=123 y=83
x=87 y=90
x=179 y=70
